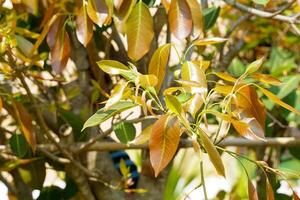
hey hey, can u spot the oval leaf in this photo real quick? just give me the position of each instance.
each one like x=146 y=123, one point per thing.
x=139 y=31
x=163 y=142
x=196 y=12
x=207 y=41
x=180 y=19
x=84 y=26
x=125 y=132
x=158 y=64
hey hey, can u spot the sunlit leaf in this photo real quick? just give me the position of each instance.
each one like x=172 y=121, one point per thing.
x=212 y=152
x=103 y=114
x=158 y=64
x=139 y=31
x=265 y=78
x=203 y=64
x=166 y=4
x=123 y=10
x=252 y=193
x=163 y=142
x=98 y=12
x=261 y=2
x=125 y=132
x=25 y=122
x=276 y=100
x=173 y=104
x=84 y=26
x=254 y=66
x=207 y=41
x=196 y=12
x=180 y=19
x=116 y=94
x=147 y=80
x=144 y=136
x=112 y=67
x=60 y=52
x=225 y=76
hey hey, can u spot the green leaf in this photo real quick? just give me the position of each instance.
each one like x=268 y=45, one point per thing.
x=50 y=193
x=19 y=145
x=212 y=152
x=139 y=31
x=125 y=132
x=103 y=114
x=254 y=66
x=210 y=16
x=113 y=67
x=173 y=104
x=261 y=2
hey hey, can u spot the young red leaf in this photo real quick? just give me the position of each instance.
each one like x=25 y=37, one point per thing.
x=180 y=19
x=84 y=26
x=139 y=31
x=163 y=142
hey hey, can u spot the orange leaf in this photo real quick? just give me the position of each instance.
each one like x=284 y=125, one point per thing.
x=60 y=52
x=295 y=195
x=163 y=142
x=84 y=26
x=252 y=193
x=1 y=104
x=265 y=78
x=166 y=4
x=180 y=19
x=270 y=193
x=196 y=12
x=25 y=122
x=139 y=30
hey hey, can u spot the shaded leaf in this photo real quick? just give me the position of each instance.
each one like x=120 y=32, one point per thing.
x=210 y=16
x=84 y=26
x=32 y=6
x=163 y=142
x=275 y=99
x=60 y=52
x=125 y=132
x=180 y=19
x=18 y=145
x=212 y=152
x=252 y=193
x=25 y=122
x=196 y=12
x=24 y=45
x=139 y=31
x=158 y=64
x=98 y=12
x=103 y=114
x=123 y=10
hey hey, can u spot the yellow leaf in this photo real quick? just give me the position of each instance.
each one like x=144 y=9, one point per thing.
x=225 y=76
x=207 y=41
x=143 y=137
x=139 y=31
x=158 y=64
x=265 y=78
x=196 y=12
x=275 y=99
x=98 y=12
x=146 y=81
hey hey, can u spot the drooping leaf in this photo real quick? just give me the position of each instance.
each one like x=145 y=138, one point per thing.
x=163 y=142
x=144 y=136
x=212 y=152
x=84 y=26
x=210 y=16
x=139 y=31
x=207 y=41
x=276 y=100
x=158 y=64
x=98 y=12
x=252 y=193
x=60 y=52
x=19 y=145
x=265 y=78
x=197 y=17
x=180 y=19
x=25 y=122
x=103 y=114
x=270 y=192
x=125 y=132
